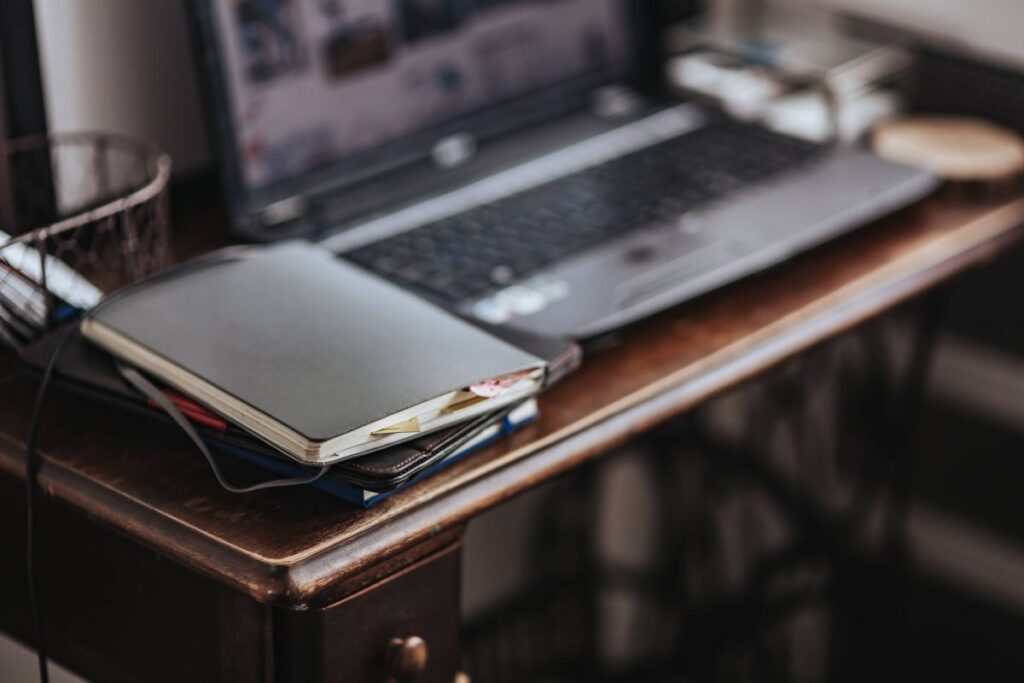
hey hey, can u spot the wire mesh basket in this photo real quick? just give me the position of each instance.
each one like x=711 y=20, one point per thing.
x=80 y=215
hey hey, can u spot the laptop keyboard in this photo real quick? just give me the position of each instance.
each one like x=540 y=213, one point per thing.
x=465 y=255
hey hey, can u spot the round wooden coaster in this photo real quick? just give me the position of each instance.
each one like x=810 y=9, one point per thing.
x=958 y=149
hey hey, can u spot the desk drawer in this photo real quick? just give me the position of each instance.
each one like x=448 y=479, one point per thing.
x=404 y=628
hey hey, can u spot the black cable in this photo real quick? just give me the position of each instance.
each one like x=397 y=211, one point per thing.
x=31 y=469
x=32 y=457
x=148 y=389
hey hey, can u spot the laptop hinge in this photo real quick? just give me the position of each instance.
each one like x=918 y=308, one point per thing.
x=615 y=101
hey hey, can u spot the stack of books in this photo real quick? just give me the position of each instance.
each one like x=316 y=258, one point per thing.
x=294 y=360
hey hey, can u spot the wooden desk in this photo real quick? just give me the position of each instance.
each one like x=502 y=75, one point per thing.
x=150 y=571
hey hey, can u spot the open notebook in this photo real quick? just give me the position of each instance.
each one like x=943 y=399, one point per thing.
x=311 y=354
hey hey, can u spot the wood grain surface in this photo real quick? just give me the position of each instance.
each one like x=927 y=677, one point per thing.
x=300 y=547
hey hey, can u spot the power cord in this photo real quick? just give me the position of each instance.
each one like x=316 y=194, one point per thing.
x=148 y=389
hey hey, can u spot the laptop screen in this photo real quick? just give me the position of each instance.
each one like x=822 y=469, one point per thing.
x=310 y=83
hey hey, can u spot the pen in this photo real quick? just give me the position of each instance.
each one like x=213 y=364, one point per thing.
x=193 y=411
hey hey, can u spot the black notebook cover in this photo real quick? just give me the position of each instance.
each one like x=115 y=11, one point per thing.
x=315 y=344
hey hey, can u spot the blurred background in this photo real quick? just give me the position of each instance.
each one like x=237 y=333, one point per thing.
x=617 y=574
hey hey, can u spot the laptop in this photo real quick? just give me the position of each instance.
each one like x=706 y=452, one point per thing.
x=509 y=159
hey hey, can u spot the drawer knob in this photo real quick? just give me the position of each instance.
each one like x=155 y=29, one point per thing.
x=407 y=657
